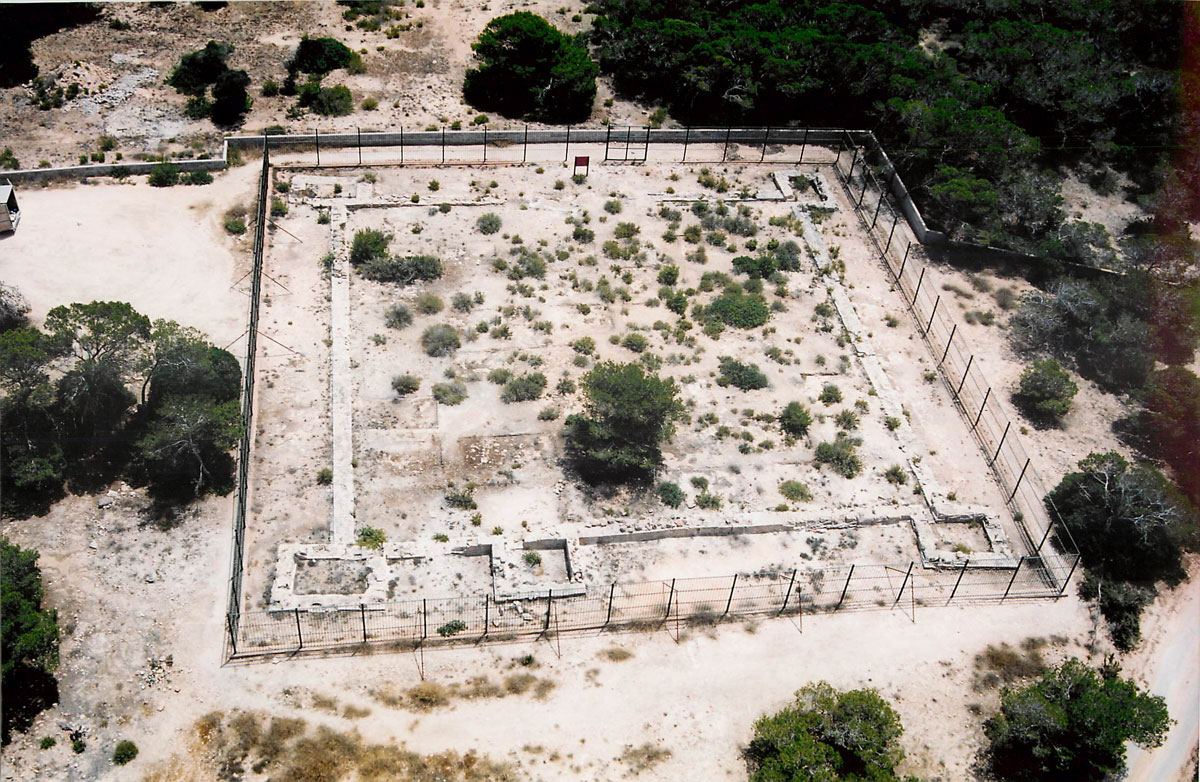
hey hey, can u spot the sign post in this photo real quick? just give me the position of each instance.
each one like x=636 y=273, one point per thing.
x=581 y=161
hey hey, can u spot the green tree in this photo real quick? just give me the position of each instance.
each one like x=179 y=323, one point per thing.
x=827 y=735
x=528 y=68
x=795 y=419
x=1072 y=724
x=180 y=360
x=186 y=448
x=231 y=100
x=627 y=415
x=1045 y=392
x=1171 y=423
x=28 y=640
x=1123 y=517
x=102 y=332
x=199 y=69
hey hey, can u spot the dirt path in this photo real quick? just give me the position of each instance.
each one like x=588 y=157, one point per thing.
x=1171 y=665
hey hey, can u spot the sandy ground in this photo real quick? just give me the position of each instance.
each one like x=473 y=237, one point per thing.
x=130 y=595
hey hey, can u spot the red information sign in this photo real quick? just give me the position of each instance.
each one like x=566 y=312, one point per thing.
x=581 y=161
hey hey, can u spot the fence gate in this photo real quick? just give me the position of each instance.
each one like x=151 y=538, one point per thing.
x=628 y=145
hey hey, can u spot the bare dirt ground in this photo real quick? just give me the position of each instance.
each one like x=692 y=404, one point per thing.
x=142 y=608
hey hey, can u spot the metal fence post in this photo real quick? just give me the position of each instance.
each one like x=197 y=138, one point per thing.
x=485 y=144
x=917 y=292
x=849 y=576
x=317 y=136
x=863 y=194
x=687 y=132
x=443 y=144
x=359 y=132
x=362 y=613
x=788 y=594
x=525 y=149
x=1007 y=425
x=549 y=606
x=932 y=315
x=729 y=602
x=401 y=145
x=837 y=161
x=607 y=135
x=891 y=233
x=1049 y=527
x=567 y=149
x=804 y=143
x=853 y=163
x=487 y=613
x=299 y=634
x=628 y=136
x=612 y=591
x=878 y=206
x=904 y=262
x=232 y=632
x=766 y=136
x=946 y=352
x=966 y=372
x=979 y=417
x=424 y=619
x=958 y=580
x=670 y=598
x=1018 y=485
x=1070 y=573
x=904 y=583
x=725 y=149
x=1013 y=579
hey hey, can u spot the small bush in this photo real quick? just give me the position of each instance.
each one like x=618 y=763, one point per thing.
x=532 y=558
x=840 y=455
x=795 y=419
x=892 y=423
x=47 y=742
x=405 y=384
x=453 y=627
x=896 y=474
x=846 y=419
x=324 y=476
x=671 y=495
x=462 y=499
x=78 y=746
x=488 y=223
x=830 y=395
x=398 y=316
x=525 y=388
x=668 y=275
x=164 y=175
x=795 y=491
x=584 y=345
x=428 y=304
x=635 y=342
x=279 y=208
x=235 y=226
x=370 y=104
x=403 y=270
x=500 y=376
x=1045 y=392
x=449 y=394
x=440 y=340
x=371 y=537
x=270 y=88
x=612 y=207
x=548 y=414
x=747 y=377
x=369 y=244
x=706 y=501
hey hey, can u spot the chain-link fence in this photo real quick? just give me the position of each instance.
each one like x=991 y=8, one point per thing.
x=238 y=555
x=873 y=186
x=643 y=605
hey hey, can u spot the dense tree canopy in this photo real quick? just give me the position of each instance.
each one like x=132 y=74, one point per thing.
x=827 y=735
x=627 y=416
x=70 y=418
x=205 y=68
x=28 y=640
x=528 y=68
x=1072 y=724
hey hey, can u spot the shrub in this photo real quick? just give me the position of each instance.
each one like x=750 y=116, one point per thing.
x=405 y=384
x=706 y=501
x=164 y=175
x=368 y=245
x=29 y=639
x=738 y=309
x=525 y=388
x=840 y=455
x=846 y=419
x=279 y=207
x=428 y=304
x=462 y=499
x=500 y=376
x=488 y=223
x=627 y=230
x=449 y=394
x=371 y=537
x=795 y=419
x=583 y=235
x=453 y=627
x=671 y=495
x=270 y=88
x=795 y=491
x=235 y=226
x=320 y=56
x=324 y=476
x=403 y=270
x=668 y=275
x=440 y=340
x=584 y=345
x=532 y=558
x=897 y=475
x=398 y=316
x=199 y=178
x=370 y=104
x=635 y=342
x=830 y=394
x=199 y=69
x=1045 y=392
x=548 y=414
x=613 y=207
x=47 y=742
x=747 y=377
x=328 y=101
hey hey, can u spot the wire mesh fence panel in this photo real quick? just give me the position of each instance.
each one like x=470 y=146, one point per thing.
x=760 y=595
x=581 y=612
x=335 y=627
x=262 y=632
x=393 y=621
x=453 y=616
x=636 y=603
x=702 y=598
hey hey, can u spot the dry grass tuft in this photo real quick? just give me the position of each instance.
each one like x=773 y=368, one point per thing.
x=1003 y=664
x=616 y=654
x=643 y=758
